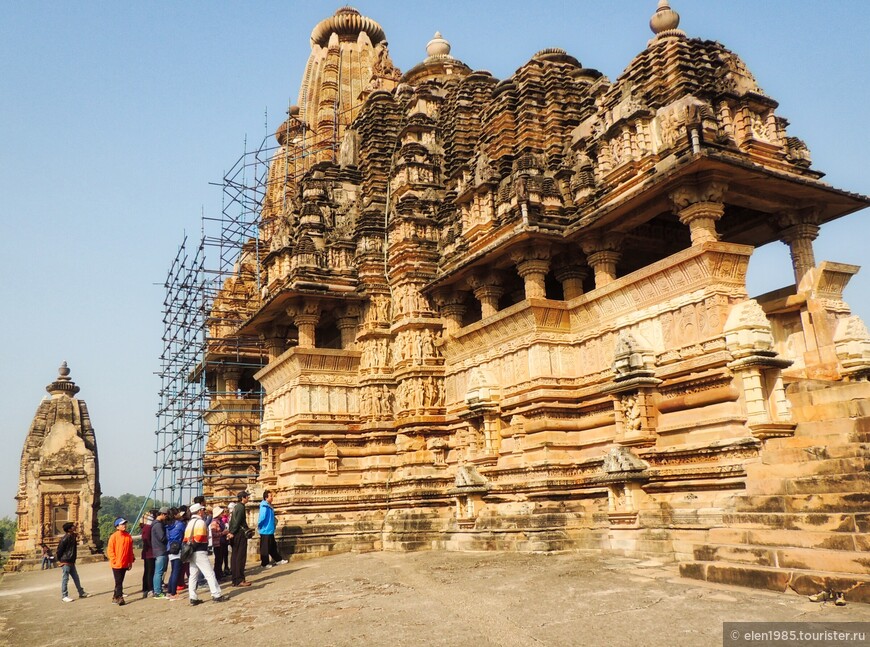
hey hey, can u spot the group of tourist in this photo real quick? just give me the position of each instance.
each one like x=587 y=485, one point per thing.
x=180 y=541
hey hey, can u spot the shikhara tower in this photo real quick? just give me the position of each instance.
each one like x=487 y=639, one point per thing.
x=59 y=479
x=513 y=315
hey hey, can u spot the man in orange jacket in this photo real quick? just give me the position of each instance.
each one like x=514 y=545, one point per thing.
x=120 y=552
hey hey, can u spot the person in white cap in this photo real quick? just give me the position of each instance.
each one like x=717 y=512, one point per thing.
x=196 y=534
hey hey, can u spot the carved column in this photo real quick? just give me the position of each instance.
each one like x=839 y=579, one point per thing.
x=699 y=206
x=306 y=318
x=451 y=304
x=231 y=381
x=532 y=265
x=488 y=289
x=798 y=231
x=603 y=254
x=571 y=277
x=275 y=343
x=347 y=325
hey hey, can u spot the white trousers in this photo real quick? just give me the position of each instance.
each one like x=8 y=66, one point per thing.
x=199 y=563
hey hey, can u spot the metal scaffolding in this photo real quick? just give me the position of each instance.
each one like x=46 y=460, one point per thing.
x=201 y=314
x=199 y=344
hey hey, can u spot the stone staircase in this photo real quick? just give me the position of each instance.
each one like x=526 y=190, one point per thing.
x=803 y=521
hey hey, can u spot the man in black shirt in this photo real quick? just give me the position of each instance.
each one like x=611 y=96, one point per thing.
x=67 y=551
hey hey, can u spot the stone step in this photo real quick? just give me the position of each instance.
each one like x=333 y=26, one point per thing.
x=766 y=538
x=826 y=484
x=814 y=452
x=805 y=559
x=856 y=588
x=824 y=502
x=818 y=467
x=817 y=522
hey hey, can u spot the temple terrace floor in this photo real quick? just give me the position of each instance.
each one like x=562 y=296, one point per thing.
x=428 y=598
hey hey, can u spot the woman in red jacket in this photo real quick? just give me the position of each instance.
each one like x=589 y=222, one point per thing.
x=120 y=553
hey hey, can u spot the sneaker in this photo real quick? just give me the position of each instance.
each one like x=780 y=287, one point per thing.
x=193 y=602
x=220 y=598
x=268 y=566
x=115 y=600
x=66 y=598
x=821 y=596
x=161 y=596
x=121 y=602
x=280 y=562
x=172 y=598
x=84 y=594
x=144 y=595
x=839 y=599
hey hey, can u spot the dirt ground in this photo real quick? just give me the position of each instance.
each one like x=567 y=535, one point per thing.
x=427 y=598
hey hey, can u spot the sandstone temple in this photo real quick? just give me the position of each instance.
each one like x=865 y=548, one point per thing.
x=512 y=315
x=59 y=479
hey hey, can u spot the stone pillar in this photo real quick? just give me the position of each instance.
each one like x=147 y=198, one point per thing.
x=532 y=265
x=798 y=230
x=347 y=325
x=305 y=318
x=571 y=277
x=488 y=289
x=275 y=343
x=231 y=381
x=602 y=255
x=699 y=206
x=451 y=304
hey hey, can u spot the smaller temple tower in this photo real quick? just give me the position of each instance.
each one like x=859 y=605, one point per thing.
x=59 y=479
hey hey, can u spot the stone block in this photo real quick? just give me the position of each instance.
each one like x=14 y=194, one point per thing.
x=825 y=484
x=802 y=539
x=734 y=554
x=824 y=560
x=854 y=589
x=754 y=577
x=760 y=504
x=693 y=570
x=829 y=503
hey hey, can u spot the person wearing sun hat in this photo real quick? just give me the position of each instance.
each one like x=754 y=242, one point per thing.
x=120 y=554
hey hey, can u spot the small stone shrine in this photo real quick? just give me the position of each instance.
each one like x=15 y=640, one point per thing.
x=59 y=478
x=513 y=315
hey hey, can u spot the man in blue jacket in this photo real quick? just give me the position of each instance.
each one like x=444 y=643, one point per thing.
x=266 y=528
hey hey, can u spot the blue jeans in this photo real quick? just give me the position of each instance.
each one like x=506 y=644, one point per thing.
x=69 y=570
x=159 y=570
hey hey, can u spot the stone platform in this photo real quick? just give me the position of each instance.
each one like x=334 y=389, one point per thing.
x=426 y=598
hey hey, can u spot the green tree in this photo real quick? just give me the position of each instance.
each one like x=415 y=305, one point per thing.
x=8 y=530
x=127 y=506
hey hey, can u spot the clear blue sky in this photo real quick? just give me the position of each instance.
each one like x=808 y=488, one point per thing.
x=115 y=116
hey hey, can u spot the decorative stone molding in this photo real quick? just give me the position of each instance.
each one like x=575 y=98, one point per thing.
x=571 y=276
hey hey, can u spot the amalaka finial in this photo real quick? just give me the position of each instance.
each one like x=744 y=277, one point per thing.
x=664 y=19
x=437 y=46
x=63 y=385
